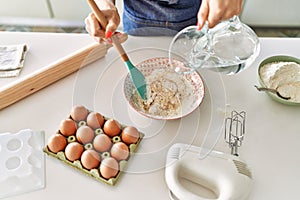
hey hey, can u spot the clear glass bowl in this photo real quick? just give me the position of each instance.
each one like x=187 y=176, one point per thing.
x=229 y=47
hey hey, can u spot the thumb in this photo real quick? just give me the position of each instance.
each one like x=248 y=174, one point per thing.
x=110 y=29
x=112 y=24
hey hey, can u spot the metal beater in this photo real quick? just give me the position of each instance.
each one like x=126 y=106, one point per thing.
x=235 y=130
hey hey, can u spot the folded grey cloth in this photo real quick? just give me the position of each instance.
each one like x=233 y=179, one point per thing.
x=12 y=59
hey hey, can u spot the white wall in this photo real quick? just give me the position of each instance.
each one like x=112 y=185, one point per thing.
x=26 y=8
x=70 y=9
x=272 y=13
x=46 y=12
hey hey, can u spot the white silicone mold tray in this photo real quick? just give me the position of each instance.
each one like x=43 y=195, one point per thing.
x=22 y=162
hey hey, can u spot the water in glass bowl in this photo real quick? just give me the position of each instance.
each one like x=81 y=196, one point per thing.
x=228 y=48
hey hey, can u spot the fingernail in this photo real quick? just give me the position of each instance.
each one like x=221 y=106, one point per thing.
x=108 y=34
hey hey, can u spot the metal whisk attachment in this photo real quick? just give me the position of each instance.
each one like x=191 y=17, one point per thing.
x=235 y=130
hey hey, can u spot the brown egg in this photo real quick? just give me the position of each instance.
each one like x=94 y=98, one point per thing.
x=57 y=143
x=102 y=142
x=85 y=134
x=79 y=113
x=90 y=159
x=67 y=127
x=119 y=151
x=95 y=120
x=130 y=135
x=109 y=167
x=73 y=151
x=111 y=127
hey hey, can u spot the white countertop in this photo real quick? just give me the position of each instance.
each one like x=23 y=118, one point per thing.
x=271 y=142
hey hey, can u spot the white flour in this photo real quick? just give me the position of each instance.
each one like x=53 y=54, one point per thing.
x=283 y=76
x=168 y=94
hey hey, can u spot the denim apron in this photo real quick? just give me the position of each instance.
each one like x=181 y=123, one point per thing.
x=158 y=17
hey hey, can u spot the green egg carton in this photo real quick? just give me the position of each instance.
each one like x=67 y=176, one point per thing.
x=95 y=173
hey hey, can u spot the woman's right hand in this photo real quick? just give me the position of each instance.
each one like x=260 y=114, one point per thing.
x=93 y=26
x=215 y=11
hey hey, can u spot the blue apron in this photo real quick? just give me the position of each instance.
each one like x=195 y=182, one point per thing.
x=158 y=17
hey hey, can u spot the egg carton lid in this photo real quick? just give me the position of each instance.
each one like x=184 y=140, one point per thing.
x=22 y=162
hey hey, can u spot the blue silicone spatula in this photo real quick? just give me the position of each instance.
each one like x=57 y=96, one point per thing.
x=137 y=77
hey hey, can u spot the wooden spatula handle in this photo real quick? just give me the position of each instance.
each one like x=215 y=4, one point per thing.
x=99 y=15
x=102 y=19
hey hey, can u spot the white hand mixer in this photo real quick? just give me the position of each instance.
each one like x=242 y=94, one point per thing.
x=225 y=175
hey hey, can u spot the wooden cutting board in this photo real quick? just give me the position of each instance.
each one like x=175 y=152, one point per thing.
x=33 y=82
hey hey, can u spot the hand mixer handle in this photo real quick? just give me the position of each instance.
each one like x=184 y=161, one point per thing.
x=177 y=189
x=174 y=170
x=217 y=172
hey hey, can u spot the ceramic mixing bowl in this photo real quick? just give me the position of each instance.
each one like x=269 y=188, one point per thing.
x=169 y=95
x=282 y=73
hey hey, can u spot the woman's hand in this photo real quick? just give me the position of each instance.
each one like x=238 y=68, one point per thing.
x=215 y=11
x=92 y=25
